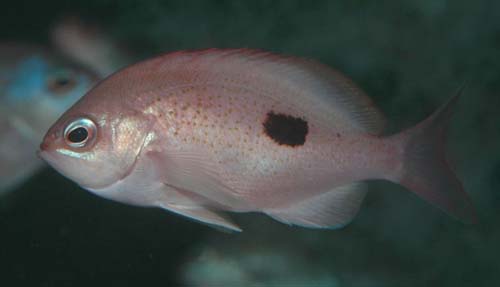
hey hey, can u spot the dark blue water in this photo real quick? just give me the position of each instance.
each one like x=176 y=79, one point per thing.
x=409 y=56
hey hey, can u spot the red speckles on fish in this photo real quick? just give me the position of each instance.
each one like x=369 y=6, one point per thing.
x=244 y=130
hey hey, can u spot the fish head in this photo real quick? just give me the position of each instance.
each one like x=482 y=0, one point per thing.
x=41 y=86
x=94 y=144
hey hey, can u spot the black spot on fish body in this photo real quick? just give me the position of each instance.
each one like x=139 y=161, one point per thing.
x=286 y=129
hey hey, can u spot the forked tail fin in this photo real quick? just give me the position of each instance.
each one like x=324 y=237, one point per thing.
x=425 y=169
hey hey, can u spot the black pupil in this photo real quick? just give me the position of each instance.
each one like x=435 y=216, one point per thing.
x=62 y=81
x=78 y=135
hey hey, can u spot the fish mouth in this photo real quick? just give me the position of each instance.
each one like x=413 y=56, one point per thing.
x=45 y=155
x=48 y=143
x=43 y=147
x=43 y=151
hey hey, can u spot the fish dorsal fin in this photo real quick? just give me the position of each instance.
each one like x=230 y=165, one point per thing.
x=303 y=83
x=333 y=209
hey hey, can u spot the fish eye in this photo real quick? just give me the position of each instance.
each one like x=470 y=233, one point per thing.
x=80 y=132
x=61 y=82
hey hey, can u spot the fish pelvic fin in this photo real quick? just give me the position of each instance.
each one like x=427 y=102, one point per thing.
x=205 y=216
x=425 y=169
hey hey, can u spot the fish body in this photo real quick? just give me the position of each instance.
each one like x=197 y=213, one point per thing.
x=197 y=133
x=88 y=45
x=36 y=87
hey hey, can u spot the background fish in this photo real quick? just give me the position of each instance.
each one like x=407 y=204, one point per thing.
x=408 y=55
x=38 y=84
x=240 y=130
x=36 y=87
x=89 y=45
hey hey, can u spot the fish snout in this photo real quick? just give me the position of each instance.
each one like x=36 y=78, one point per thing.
x=48 y=147
x=47 y=142
x=43 y=146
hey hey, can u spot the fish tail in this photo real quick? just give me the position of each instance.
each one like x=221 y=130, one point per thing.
x=425 y=170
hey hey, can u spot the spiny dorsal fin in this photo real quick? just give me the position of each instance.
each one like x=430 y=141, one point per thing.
x=303 y=82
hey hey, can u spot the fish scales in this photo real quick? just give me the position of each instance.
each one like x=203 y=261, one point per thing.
x=197 y=133
x=221 y=112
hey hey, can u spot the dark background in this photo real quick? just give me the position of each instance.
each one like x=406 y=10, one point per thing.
x=410 y=56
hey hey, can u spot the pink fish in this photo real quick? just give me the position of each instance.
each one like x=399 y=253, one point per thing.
x=200 y=133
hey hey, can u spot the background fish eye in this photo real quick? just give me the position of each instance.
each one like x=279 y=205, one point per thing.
x=61 y=82
x=80 y=132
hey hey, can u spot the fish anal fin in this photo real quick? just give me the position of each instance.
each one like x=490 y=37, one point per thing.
x=333 y=209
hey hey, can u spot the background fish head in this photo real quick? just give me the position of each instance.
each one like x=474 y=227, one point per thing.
x=96 y=143
x=38 y=87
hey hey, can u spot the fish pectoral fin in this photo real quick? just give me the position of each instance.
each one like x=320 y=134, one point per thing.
x=204 y=215
x=333 y=209
x=194 y=172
